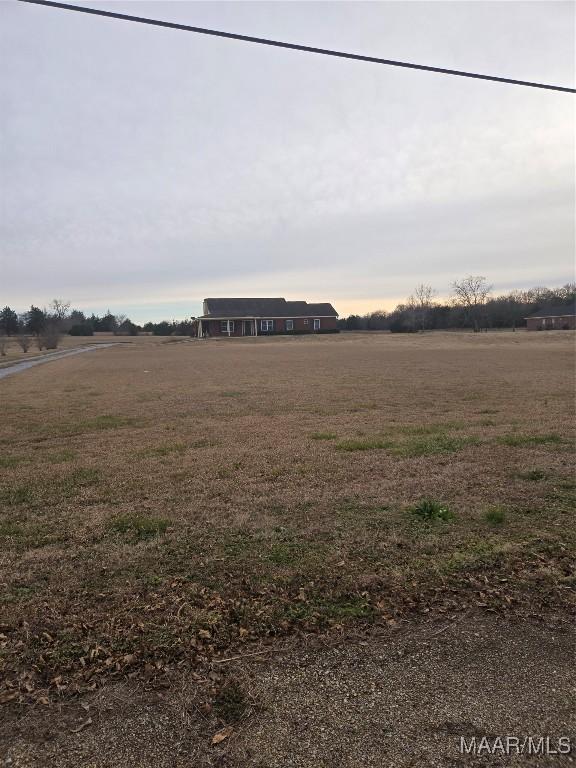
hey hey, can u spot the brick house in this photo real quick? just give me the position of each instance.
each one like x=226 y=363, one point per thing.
x=560 y=317
x=264 y=317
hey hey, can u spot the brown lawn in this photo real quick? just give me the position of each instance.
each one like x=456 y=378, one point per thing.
x=13 y=351
x=169 y=503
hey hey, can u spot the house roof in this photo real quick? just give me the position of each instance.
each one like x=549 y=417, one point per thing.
x=265 y=308
x=558 y=310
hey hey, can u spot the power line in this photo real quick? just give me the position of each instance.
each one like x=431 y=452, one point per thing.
x=295 y=46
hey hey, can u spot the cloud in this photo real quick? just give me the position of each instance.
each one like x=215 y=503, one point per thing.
x=149 y=167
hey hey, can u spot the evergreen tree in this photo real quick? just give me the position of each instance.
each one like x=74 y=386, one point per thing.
x=8 y=322
x=35 y=320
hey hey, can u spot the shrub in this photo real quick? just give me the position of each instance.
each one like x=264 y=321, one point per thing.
x=426 y=509
x=49 y=337
x=24 y=342
x=81 y=329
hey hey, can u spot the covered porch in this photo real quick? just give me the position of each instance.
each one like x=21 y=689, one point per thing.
x=230 y=327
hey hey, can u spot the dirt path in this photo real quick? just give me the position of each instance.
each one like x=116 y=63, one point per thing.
x=388 y=698
x=23 y=365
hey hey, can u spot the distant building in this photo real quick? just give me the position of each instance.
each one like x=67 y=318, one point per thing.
x=265 y=317
x=560 y=317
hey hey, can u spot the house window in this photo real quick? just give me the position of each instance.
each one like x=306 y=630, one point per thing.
x=226 y=326
x=289 y=325
x=316 y=323
x=306 y=321
x=267 y=325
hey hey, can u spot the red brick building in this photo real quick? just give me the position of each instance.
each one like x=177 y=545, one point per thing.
x=561 y=317
x=264 y=317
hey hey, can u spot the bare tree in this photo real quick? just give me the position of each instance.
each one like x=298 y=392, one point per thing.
x=410 y=312
x=423 y=301
x=24 y=341
x=471 y=293
x=120 y=320
x=59 y=309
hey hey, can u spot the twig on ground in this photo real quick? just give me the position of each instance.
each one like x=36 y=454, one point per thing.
x=246 y=655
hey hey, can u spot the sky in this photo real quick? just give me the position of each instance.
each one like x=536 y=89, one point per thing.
x=144 y=169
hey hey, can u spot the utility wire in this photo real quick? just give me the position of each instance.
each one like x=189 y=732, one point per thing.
x=295 y=46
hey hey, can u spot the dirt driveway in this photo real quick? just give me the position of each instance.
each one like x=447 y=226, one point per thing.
x=392 y=697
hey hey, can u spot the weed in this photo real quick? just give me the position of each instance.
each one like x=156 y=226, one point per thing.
x=283 y=553
x=429 y=429
x=19 y=593
x=363 y=407
x=9 y=528
x=80 y=478
x=97 y=424
x=140 y=526
x=435 y=444
x=6 y=462
x=230 y=702
x=202 y=443
x=238 y=543
x=23 y=536
x=164 y=449
x=20 y=494
x=426 y=509
x=536 y=475
x=362 y=445
x=338 y=609
x=354 y=512
x=59 y=457
x=495 y=515
x=323 y=436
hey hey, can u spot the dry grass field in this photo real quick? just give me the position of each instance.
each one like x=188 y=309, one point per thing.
x=14 y=353
x=164 y=505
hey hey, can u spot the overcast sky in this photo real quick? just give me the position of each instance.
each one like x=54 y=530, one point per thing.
x=143 y=169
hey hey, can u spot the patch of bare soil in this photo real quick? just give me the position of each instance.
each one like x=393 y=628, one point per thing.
x=401 y=696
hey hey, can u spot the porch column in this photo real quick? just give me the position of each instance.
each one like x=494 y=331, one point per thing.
x=255 y=327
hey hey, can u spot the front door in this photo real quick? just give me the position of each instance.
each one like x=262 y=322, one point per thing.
x=248 y=328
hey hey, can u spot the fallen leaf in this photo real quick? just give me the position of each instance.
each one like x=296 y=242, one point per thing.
x=221 y=735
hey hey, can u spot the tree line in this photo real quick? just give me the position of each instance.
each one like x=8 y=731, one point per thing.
x=471 y=305
x=45 y=327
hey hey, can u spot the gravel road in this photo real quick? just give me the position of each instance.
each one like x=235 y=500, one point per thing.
x=23 y=365
x=383 y=699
